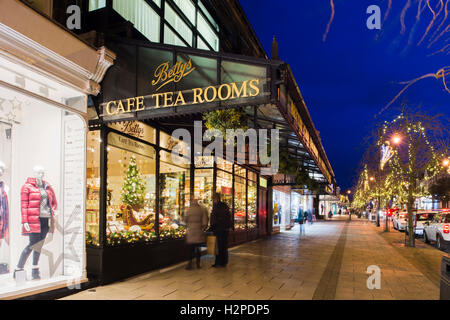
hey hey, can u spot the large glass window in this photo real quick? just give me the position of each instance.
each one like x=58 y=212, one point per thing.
x=281 y=208
x=239 y=203
x=178 y=24
x=207 y=32
x=174 y=184
x=206 y=13
x=224 y=187
x=93 y=188
x=96 y=4
x=188 y=8
x=201 y=44
x=144 y=18
x=203 y=184
x=131 y=191
x=252 y=200
x=171 y=38
x=42 y=190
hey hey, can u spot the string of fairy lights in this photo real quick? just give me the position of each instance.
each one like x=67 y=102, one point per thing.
x=396 y=182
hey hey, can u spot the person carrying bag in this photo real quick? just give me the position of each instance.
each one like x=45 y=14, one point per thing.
x=196 y=220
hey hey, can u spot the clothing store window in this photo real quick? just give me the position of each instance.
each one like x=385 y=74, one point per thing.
x=252 y=200
x=93 y=188
x=239 y=203
x=131 y=191
x=174 y=185
x=277 y=206
x=42 y=187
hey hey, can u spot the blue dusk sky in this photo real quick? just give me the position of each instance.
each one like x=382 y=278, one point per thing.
x=350 y=77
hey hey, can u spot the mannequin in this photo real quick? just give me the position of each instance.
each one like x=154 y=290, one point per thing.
x=38 y=202
x=4 y=217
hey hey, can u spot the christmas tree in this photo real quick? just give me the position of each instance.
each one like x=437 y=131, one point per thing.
x=133 y=189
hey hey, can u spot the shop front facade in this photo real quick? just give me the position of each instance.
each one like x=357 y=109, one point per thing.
x=43 y=127
x=139 y=211
x=177 y=61
x=287 y=203
x=141 y=177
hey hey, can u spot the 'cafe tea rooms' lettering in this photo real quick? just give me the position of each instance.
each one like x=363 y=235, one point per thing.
x=163 y=75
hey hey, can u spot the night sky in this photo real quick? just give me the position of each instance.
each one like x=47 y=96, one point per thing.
x=348 y=79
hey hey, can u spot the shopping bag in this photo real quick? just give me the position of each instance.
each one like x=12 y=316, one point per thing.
x=211 y=245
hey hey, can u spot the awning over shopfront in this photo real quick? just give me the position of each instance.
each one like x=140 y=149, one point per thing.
x=154 y=82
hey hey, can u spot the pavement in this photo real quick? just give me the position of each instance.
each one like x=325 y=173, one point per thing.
x=329 y=262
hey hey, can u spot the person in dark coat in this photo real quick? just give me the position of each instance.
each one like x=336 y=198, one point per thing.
x=310 y=217
x=301 y=221
x=196 y=220
x=220 y=225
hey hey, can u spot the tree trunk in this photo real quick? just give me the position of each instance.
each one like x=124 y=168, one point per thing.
x=410 y=205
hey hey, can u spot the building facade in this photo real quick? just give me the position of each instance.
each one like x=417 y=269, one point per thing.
x=176 y=62
x=44 y=86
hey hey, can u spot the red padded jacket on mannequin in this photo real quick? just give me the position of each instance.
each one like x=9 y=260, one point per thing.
x=31 y=204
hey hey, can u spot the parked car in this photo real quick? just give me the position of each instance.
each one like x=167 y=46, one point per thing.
x=420 y=219
x=399 y=221
x=438 y=230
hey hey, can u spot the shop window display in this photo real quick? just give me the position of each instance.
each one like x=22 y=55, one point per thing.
x=42 y=192
x=93 y=188
x=224 y=165
x=224 y=187
x=239 y=203
x=277 y=207
x=131 y=191
x=281 y=208
x=203 y=187
x=251 y=206
x=174 y=184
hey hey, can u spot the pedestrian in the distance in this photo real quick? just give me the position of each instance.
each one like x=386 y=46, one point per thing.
x=196 y=220
x=310 y=217
x=220 y=225
x=330 y=214
x=301 y=221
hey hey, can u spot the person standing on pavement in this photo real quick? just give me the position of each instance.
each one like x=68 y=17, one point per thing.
x=196 y=220
x=310 y=217
x=220 y=225
x=301 y=221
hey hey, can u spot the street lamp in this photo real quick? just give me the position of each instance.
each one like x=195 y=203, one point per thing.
x=396 y=139
x=445 y=162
